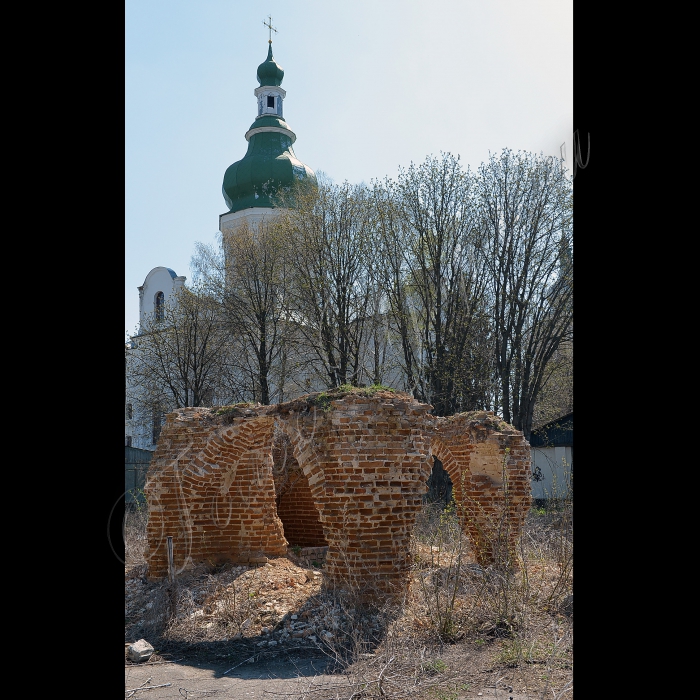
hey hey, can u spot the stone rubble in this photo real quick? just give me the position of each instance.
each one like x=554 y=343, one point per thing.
x=277 y=604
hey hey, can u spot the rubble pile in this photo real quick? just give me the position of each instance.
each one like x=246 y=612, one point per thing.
x=279 y=603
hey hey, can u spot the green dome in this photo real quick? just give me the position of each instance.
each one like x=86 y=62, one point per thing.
x=270 y=72
x=270 y=165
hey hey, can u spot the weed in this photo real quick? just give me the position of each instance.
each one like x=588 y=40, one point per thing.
x=229 y=413
x=508 y=615
x=134 y=529
x=434 y=666
x=440 y=694
x=323 y=400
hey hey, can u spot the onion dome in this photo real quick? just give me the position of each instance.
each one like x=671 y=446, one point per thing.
x=269 y=71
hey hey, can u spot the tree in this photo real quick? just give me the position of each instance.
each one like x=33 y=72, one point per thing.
x=458 y=285
x=331 y=282
x=435 y=281
x=247 y=277
x=179 y=355
x=556 y=398
x=526 y=236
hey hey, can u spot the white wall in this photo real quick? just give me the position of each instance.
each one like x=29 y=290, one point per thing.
x=252 y=216
x=159 y=279
x=555 y=465
x=140 y=426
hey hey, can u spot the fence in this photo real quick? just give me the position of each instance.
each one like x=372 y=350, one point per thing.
x=136 y=465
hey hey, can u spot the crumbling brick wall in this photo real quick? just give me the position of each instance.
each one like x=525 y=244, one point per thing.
x=355 y=472
x=488 y=462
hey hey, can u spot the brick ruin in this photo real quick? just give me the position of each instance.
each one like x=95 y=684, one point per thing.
x=345 y=470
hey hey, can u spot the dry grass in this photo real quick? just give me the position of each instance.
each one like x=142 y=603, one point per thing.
x=458 y=624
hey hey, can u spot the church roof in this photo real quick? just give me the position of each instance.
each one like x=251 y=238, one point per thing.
x=270 y=164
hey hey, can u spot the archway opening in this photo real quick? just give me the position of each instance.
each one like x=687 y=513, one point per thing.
x=439 y=485
x=295 y=503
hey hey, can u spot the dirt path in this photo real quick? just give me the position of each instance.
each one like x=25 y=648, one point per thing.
x=250 y=681
x=289 y=679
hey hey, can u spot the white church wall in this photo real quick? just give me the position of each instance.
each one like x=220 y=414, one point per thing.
x=252 y=216
x=159 y=279
x=138 y=418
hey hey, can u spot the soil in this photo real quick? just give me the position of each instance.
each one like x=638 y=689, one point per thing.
x=289 y=676
x=284 y=639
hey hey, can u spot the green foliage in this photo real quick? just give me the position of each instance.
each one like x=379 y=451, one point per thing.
x=514 y=651
x=448 y=513
x=138 y=500
x=440 y=694
x=321 y=401
x=365 y=390
x=435 y=666
x=454 y=691
x=324 y=399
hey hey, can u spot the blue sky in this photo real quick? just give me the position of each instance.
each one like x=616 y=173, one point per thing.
x=371 y=87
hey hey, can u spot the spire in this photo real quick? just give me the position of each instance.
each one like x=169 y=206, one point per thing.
x=269 y=71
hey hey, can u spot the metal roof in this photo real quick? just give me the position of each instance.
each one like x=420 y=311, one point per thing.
x=556 y=433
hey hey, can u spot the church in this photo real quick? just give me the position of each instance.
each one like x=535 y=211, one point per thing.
x=249 y=188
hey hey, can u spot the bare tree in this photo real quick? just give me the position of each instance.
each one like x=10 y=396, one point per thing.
x=435 y=280
x=525 y=211
x=330 y=275
x=556 y=398
x=463 y=281
x=179 y=355
x=247 y=277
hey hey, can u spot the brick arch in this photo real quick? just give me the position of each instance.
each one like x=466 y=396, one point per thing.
x=366 y=459
x=307 y=431
x=216 y=500
x=301 y=433
x=296 y=501
x=486 y=460
x=369 y=473
x=439 y=450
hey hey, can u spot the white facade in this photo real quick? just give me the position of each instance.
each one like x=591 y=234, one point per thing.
x=270 y=98
x=552 y=470
x=252 y=216
x=159 y=280
x=160 y=283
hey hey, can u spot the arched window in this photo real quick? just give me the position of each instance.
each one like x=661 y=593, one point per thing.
x=160 y=306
